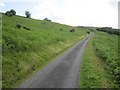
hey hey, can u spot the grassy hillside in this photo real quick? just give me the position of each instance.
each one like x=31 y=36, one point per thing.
x=101 y=66
x=106 y=46
x=25 y=52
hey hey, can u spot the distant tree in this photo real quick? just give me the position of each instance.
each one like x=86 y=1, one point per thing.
x=109 y=30
x=47 y=19
x=27 y=13
x=8 y=13
x=13 y=12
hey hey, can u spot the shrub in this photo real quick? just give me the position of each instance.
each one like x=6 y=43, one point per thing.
x=18 y=26
x=8 y=13
x=109 y=30
x=27 y=13
x=47 y=19
x=88 y=32
x=72 y=30
x=13 y=12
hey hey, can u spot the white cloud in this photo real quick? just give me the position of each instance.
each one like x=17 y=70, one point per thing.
x=2 y=4
x=20 y=0
x=47 y=8
x=78 y=12
x=114 y=3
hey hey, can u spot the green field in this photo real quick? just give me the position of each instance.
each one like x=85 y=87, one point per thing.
x=25 y=52
x=101 y=66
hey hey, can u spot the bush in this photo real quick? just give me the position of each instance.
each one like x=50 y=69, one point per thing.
x=109 y=30
x=13 y=12
x=47 y=19
x=88 y=32
x=27 y=13
x=18 y=26
x=8 y=13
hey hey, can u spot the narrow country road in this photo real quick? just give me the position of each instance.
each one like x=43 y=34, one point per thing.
x=63 y=72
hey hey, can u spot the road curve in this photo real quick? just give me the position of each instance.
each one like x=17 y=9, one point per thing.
x=63 y=72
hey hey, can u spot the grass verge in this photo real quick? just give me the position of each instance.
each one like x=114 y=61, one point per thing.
x=94 y=73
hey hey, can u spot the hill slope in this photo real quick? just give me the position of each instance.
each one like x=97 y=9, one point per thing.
x=101 y=64
x=26 y=51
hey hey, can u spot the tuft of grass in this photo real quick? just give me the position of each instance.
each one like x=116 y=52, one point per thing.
x=26 y=52
x=94 y=72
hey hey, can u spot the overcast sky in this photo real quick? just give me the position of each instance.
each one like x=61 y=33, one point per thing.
x=100 y=13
